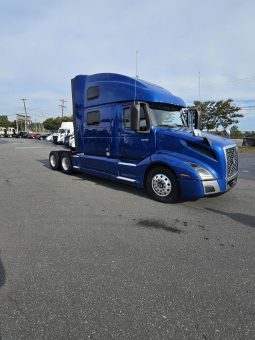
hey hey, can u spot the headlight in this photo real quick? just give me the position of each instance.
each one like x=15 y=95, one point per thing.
x=204 y=174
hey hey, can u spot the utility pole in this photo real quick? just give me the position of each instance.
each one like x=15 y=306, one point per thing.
x=24 y=102
x=62 y=105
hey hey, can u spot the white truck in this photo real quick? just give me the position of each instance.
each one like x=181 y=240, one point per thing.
x=3 y=132
x=72 y=142
x=11 y=132
x=65 y=129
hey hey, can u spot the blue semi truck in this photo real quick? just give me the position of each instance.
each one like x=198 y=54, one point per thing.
x=132 y=131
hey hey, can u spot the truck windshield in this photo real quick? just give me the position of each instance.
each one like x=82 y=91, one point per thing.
x=164 y=115
x=61 y=131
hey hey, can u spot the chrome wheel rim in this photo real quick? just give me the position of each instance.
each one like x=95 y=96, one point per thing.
x=53 y=161
x=161 y=185
x=65 y=163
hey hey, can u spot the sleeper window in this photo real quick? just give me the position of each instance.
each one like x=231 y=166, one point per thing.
x=93 y=92
x=93 y=118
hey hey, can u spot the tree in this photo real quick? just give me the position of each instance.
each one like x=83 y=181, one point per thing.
x=54 y=123
x=247 y=133
x=235 y=132
x=6 y=123
x=51 y=124
x=221 y=113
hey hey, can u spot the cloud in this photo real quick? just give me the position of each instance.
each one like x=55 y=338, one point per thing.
x=46 y=43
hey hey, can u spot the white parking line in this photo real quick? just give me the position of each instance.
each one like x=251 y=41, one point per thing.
x=245 y=170
x=29 y=147
x=16 y=143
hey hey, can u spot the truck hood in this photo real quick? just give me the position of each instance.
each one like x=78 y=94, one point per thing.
x=186 y=134
x=207 y=151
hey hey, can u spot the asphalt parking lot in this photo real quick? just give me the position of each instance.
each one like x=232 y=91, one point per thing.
x=82 y=257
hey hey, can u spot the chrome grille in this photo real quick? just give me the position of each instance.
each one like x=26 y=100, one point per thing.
x=231 y=161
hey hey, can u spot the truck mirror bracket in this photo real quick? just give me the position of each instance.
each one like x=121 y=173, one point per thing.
x=135 y=117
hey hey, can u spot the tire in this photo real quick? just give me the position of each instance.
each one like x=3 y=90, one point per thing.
x=54 y=160
x=66 y=163
x=250 y=143
x=162 y=185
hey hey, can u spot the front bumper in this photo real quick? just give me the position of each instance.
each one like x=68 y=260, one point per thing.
x=211 y=187
x=194 y=189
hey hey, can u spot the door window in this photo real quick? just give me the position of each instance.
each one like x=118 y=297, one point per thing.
x=127 y=120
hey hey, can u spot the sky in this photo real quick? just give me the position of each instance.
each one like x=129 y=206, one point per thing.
x=44 y=44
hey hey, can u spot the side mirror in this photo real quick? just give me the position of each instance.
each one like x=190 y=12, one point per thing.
x=195 y=118
x=228 y=133
x=185 y=116
x=135 y=117
x=198 y=120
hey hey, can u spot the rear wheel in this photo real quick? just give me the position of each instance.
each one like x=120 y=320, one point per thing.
x=162 y=185
x=66 y=163
x=54 y=160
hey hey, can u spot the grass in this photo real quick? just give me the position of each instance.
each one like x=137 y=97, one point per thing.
x=249 y=149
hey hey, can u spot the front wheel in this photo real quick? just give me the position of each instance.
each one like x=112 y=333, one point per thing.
x=162 y=185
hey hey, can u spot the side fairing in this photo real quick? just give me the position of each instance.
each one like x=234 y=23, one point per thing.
x=78 y=89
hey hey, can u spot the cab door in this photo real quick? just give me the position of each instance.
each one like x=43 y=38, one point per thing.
x=135 y=146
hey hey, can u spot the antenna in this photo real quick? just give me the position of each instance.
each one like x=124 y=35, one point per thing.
x=199 y=85
x=136 y=63
x=136 y=75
